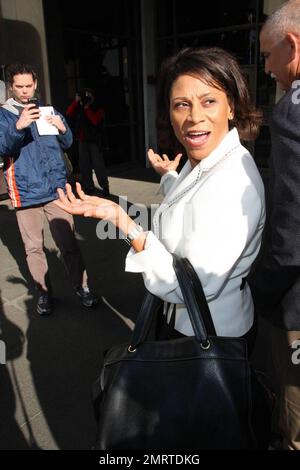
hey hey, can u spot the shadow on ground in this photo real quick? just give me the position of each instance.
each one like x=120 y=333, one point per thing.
x=65 y=349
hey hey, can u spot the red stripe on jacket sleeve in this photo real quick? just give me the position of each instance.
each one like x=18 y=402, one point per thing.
x=12 y=184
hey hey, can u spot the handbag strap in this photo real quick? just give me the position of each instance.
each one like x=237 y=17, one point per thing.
x=193 y=295
x=144 y=320
x=194 y=299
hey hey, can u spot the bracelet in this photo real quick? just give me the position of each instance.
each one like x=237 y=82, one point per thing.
x=133 y=234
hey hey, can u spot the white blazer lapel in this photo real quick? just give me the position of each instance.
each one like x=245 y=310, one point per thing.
x=189 y=178
x=186 y=180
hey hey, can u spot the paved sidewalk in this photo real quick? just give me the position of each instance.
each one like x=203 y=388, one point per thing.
x=45 y=387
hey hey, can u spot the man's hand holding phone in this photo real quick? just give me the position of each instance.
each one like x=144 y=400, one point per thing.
x=29 y=114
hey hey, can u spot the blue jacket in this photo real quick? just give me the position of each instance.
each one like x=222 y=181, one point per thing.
x=34 y=165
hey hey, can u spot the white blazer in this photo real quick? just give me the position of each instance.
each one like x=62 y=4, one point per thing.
x=213 y=215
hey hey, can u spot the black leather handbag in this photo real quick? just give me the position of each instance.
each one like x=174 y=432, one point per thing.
x=192 y=393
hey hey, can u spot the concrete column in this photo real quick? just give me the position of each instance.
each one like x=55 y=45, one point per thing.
x=23 y=39
x=2 y=182
x=271 y=5
x=2 y=92
x=149 y=73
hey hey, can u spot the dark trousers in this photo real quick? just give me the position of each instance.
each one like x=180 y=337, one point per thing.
x=91 y=157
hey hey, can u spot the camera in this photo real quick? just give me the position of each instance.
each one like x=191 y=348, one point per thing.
x=85 y=97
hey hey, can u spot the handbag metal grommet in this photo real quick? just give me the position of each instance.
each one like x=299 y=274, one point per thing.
x=129 y=349
x=205 y=345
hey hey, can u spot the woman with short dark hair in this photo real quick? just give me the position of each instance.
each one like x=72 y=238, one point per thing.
x=214 y=210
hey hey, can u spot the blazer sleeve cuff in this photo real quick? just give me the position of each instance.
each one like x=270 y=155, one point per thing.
x=147 y=259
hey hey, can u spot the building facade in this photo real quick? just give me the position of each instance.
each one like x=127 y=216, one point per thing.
x=117 y=50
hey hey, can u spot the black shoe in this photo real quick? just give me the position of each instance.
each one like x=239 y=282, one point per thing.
x=87 y=298
x=44 y=304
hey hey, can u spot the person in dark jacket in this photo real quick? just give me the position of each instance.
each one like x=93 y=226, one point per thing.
x=34 y=168
x=87 y=116
x=275 y=284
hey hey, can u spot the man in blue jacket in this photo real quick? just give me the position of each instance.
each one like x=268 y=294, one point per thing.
x=34 y=169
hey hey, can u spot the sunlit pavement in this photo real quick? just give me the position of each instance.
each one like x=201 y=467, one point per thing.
x=52 y=362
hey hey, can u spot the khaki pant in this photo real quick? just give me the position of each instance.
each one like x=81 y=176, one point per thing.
x=288 y=376
x=31 y=225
